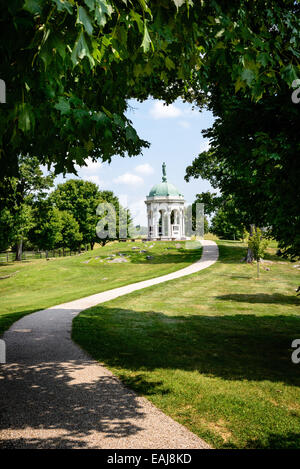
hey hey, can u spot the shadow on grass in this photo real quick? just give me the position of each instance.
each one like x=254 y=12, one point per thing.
x=231 y=253
x=239 y=347
x=167 y=257
x=275 y=298
x=271 y=441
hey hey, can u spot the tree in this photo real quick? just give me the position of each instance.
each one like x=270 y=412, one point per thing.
x=227 y=222
x=253 y=158
x=70 y=234
x=16 y=203
x=15 y=227
x=224 y=226
x=71 y=66
x=81 y=199
x=46 y=232
x=210 y=200
x=258 y=244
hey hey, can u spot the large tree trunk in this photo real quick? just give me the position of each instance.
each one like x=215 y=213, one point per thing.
x=19 y=250
x=249 y=256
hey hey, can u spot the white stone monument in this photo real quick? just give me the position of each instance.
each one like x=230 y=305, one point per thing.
x=165 y=210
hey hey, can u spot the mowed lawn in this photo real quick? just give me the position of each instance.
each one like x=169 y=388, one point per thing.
x=212 y=350
x=39 y=284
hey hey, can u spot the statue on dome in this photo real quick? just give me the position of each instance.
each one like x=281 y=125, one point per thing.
x=164 y=177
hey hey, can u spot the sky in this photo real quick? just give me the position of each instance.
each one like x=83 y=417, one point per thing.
x=174 y=133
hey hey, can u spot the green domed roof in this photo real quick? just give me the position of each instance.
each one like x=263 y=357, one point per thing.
x=164 y=188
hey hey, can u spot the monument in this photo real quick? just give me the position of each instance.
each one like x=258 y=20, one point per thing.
x=165 y=211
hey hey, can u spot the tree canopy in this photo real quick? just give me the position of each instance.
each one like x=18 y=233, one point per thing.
x=17 y=202
x=71 y=66
x=253 y=158
x=81 y=199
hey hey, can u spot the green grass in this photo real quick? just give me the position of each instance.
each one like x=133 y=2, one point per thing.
x=212 y=350
x=39 y=284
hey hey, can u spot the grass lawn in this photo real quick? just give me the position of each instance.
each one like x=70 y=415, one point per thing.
x=212 y=350
x=39 y=284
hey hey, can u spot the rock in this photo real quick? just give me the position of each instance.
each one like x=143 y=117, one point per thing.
x=118 y=260
x=178 y=246
x=143 y=250
x=149 y=258
x=296 y=266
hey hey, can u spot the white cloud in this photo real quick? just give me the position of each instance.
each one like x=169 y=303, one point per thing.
x=129 y=179
x=161 y=111
x=94 y=179
x=145 y=169
x=91 y=165
x=184 y=124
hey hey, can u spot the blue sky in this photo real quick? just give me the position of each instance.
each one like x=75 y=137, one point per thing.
x=174 y=132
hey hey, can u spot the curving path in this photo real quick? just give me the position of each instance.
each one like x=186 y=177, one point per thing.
x=53 y=395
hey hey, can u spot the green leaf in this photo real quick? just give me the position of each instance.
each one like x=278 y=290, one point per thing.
x=289 y=74
x=138 y=20
x=239 y=84
x=33 y=6
x=263 y=58
x=100 y=117
x=84 y=19
x=64 y=5
x=63 y=105
x=248 y=75
x=81 y=50
x=131 y=134
x=144 y=6
x=102 y=10
x=60 y=46
x=107 y=112
x=146 y=39
x=25 y=118
x=90 y=4
x=169 y=63
x=118 y=121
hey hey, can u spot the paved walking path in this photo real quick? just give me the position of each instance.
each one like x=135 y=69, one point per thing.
x=54 y=395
